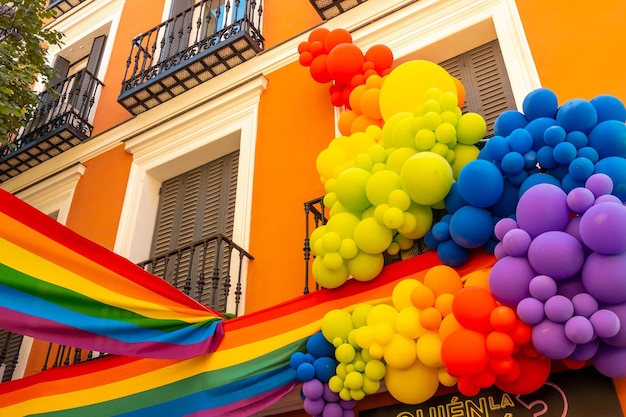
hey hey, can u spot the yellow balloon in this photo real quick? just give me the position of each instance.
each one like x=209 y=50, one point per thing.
x=412 y=385
x=337 y=324
x=342 y=224
x=359 y=315
x=408 y=323
x=470 y=128
x=375 y=370
x=326 y=277
x=365 y=266
x=398 y=156
x=372 y=237
x=463 y=154
x=446 y=379
x=380 y=185
x=405 y=86
x=401 y=294
x=400 y=352
x=427 y=178
x=382 y=313
x=428 y=349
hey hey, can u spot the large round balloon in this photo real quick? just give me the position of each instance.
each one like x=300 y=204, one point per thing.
x=543 y=208
x=412 y=385
x=404 y=87
x=427 y=178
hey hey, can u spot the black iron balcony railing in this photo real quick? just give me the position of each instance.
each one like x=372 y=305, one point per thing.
x=202 y=270
x=315 y=215
x=63 y=6
x=327 y=9
x=61 y=121
x=9 y=353
x=190 y=48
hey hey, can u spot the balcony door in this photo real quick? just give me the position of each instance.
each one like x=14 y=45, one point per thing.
x=194 y=206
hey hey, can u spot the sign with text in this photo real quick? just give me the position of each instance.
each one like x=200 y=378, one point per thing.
x=580 y=393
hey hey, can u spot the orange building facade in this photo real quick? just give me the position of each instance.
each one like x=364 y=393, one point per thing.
x=253 y=121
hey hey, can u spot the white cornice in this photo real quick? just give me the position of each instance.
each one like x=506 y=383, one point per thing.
x=403 y=25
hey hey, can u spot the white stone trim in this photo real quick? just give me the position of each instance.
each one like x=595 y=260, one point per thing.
x=197 y=136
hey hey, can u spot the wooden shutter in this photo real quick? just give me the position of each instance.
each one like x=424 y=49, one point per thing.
x=10 y=344
x=194 y=206
x=484 y=76
x=87 y=83
x=178 y=30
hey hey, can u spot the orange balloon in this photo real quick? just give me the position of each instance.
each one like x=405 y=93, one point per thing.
x=362 y=122
x=460 y=91
x=448 y=326
x=422 y=297
x=345 y=122
x=472 y=307
x=430 y=318
x=319 y=35
x=336 y=37
x=369 y=103
x=521 y=333
x=344 y=62
x=443 y=279
x=443 y=303
x=477 y=278
x=355 y=98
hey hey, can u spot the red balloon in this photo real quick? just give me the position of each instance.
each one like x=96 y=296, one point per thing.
x=344 y=62
x=306 y=58
x=381 y=56
x=534 y=373
x=318 y=34
x=464 y=353
x=472 y=307
x=304 y=47
x=317 y=48
x=336 y=37
x=467 y=387
x=318 y=69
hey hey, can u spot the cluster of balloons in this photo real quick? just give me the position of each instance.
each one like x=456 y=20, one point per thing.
x=332 y=57
x=560 y=264
x=314 y=369
x=383 y=183
x=546 y=143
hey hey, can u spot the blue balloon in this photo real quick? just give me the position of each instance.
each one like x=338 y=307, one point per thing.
x=580 y=169
x=471 y=227
x=480 y=183
x=541 y=102
x=537 y=128
x=554 y=135
x=609 y=138
x=508 y=121
x=530 y=161
x=296 y=360
x=539 y=178
x=441 y=231
x=454 y=200
x=496 y=148
x=430 y=240
x=545 y=157
x=615 y=168
x=520 y=140
x=589 y=153
x=513 y=163
x=505 y=206
x=305 y=372
x=324 y=368
x=518 y=178
x=318 y=346
x=609 y=108
x=559 y=172
x=564 y=153
x=578 y=139
x=577 y=114
x=451 y=254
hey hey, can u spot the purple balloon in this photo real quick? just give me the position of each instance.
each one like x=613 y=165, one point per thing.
x=542 y=208
x=499 y=252
x=573 y=228
x=559 y=308
x=516 y=242
x=619 y=339
x=608 y=198
x=579 y=330
x=611 y=361
x=313 y=389
x=531 y=311
x=332 y=410
x=599 y=184
x=584 y=304
x=314 y=407
x=542 y=287
x=329 y=395
x=570 y=287
x=550 y=340
x=603 y=228
x=556 y=254
x=603 y=277
x=605 y=323
x=585 y=351
x=580 y=199
x=509 y=279
x=503 y=226
x=347 y=405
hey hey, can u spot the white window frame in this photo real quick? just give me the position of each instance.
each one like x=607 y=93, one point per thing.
x=193 y=138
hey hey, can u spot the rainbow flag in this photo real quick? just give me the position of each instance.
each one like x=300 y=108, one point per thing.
x=248 y=372
x=58 y=286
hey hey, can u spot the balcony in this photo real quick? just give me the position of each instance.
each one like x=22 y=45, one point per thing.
x=189 y=49
x=61 y=122
x=327 y=9
x=63 y=6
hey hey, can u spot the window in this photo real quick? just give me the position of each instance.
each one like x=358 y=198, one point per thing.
x=484 y=76
x=194 y=206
